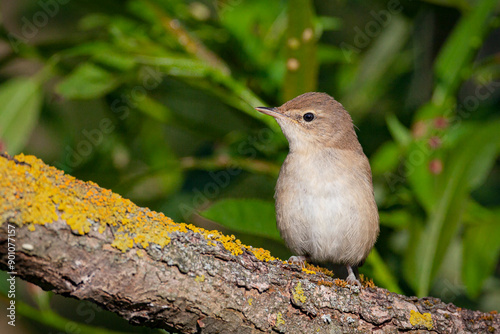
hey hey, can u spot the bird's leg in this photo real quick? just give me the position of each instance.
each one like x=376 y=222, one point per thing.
x=351 y=277
x=298 y=260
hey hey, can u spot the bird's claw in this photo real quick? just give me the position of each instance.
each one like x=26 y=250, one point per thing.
x=298 y=260
x=351 y=277
x=352 y=280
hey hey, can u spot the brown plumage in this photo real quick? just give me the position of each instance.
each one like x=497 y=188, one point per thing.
x=325 y=207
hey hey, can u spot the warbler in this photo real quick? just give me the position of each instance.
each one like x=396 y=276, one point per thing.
x=325 y=205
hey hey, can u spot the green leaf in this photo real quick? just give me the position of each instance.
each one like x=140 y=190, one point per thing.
x=102 y=53
x=88 y=81
x=481 y=165
x=398 y=219
x=381 y=271
x=155 y=109
x=458 y=52
x=481 y=247
x=453 y=190
x=386 y=158
x=249 y=216
x=378 y=65
x=234 y=93
x=21 y=101
x=164 y=175
x=423 y=183
x=398 y=131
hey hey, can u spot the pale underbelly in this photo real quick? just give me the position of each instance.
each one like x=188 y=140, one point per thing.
x=326 y=227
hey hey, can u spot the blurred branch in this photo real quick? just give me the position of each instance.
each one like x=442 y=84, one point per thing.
x=85 y=242
x=239 y=95
x=190 y=43
x=226 y=162
x=302 y=65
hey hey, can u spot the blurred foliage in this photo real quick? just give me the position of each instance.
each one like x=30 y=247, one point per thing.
x=154 y=99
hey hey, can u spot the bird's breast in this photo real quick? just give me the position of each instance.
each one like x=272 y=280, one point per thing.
x=324 y=206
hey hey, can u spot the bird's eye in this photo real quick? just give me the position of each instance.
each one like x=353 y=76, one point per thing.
x=308 y=117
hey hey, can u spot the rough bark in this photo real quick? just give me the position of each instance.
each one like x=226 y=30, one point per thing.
x=182 y=277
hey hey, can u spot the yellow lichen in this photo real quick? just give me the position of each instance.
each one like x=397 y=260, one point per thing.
x=419 y=319
x=307 y=271
x=200 y=278
x=250 y=300
x=298 y=293
x=261 y=254
x=37 y=194
x=279 y=319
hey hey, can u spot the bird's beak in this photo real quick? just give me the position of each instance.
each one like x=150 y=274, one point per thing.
x=274 y=112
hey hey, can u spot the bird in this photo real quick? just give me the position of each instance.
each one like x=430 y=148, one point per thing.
x=324 y=199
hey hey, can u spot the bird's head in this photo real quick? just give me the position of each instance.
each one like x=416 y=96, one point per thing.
x=314 y=120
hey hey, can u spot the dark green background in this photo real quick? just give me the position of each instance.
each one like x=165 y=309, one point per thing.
x=154 y=100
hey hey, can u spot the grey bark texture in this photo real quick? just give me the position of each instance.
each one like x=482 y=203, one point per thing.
x=197 y=287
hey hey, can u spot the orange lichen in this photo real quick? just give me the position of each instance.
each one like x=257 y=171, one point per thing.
x=36 y=194
x=488 y=317
x=366 y=282
x=325 y=283
x=340 y=282
x=317 y=269
x=428 y=303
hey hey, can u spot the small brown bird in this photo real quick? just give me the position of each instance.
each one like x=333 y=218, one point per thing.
x=325 y=207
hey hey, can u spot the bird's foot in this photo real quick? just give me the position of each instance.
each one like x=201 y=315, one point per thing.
x=298 y=260
x=351 y=278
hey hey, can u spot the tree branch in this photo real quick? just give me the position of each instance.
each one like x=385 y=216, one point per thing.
x=86 y=242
